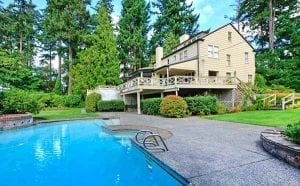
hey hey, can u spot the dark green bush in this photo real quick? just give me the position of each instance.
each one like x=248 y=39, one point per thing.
x=50 y=100
x=19 y=102
x=73 y=101
x=293 y=131
x=91 y=102
x=110 y=106
x=151 y=106
x=249 y=108
x=202 y=104
x=259 y=104
x=173 y=106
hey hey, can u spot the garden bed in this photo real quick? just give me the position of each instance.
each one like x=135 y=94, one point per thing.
x=277 y=145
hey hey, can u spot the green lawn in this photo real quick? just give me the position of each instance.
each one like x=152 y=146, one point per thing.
x=65 y=113
x=276 y=118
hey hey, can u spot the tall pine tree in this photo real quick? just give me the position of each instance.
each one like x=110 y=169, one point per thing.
x=277 y=35
x=174 y=16
x=98 y=64
x=67 y=21
x=133 y=30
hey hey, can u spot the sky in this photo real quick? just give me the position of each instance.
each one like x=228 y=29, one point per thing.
x=212 y=12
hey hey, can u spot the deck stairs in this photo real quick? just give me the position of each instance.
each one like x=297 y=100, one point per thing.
x=271 y=101
x=245 y=91
x=290 y=99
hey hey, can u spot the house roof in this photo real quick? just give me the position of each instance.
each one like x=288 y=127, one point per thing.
x=201 y=36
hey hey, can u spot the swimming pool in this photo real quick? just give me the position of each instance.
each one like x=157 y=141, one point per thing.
x=75 y=153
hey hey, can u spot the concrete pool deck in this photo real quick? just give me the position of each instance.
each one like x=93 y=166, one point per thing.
x=210 y=152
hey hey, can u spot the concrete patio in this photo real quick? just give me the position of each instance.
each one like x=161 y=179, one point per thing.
x=216 y=153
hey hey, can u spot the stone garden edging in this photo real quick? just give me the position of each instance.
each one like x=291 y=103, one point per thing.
x=12 y=121
x=278 y=145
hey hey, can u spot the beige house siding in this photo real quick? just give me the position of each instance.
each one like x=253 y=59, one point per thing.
x=236 y=48
x=191 y=53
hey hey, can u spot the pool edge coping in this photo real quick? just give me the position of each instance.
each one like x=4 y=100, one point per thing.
x=181 y=179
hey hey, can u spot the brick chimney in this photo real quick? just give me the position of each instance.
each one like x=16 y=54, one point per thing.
x=159 y=54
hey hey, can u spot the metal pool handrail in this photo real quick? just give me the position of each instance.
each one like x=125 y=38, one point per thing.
x=158 y=147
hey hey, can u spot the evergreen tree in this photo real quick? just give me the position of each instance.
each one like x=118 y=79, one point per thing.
x=277 y=35
x=19 y=26
x=13 y=73
x=108 y=5
x=173 y=16
x=98 y=64
x=58 y=87
x=67 y=21
x=170 y=43
x=132 y=39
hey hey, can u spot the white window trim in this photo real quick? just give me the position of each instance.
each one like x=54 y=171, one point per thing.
x=246 y=58
x=228 y=60
x=214 y=52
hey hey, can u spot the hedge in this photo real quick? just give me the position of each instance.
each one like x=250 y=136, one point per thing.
x=50 y=100
x=19 y=102
x=151 y=106
x=110 y=106
x=91 y=102
x=202 y=104
x=173 y=106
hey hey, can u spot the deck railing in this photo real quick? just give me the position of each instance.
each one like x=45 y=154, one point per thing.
x=172 y=81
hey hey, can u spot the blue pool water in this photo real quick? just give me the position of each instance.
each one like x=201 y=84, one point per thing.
x=74 y=153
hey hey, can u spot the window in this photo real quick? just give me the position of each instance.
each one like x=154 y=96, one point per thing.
x=181 y=56
x=246 y=58
x=168 y=61
x=228 y=74
x=216 y=52
x=210 y=51
x=228 y=60
x=185 y=54
x=229 y=36
x=250 y=78
x=175 y=58
x=213 y=51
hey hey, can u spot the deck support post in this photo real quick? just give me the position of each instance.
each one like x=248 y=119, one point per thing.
x=138 y=102
x=168 y=76
x=233 y=97
x=162 y=94
x=176 y=92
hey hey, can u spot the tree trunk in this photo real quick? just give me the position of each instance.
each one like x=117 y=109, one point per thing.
x=21 y=43
x=271 y=25
x=70 y=69
x=50 y=63
x=59 y=66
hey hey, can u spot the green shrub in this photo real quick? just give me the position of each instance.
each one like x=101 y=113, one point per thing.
x=91 y=102
x=50 y=100
x=249 y=108
x=110 y=106
x=19 y=102
x=293 y=131
x=73 y=101
x=259 y=104
x=173 y=106
x=202 y=104
x=221 y=109
x=151 y=106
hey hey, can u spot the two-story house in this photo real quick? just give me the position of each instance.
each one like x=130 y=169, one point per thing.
x=210 y=63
